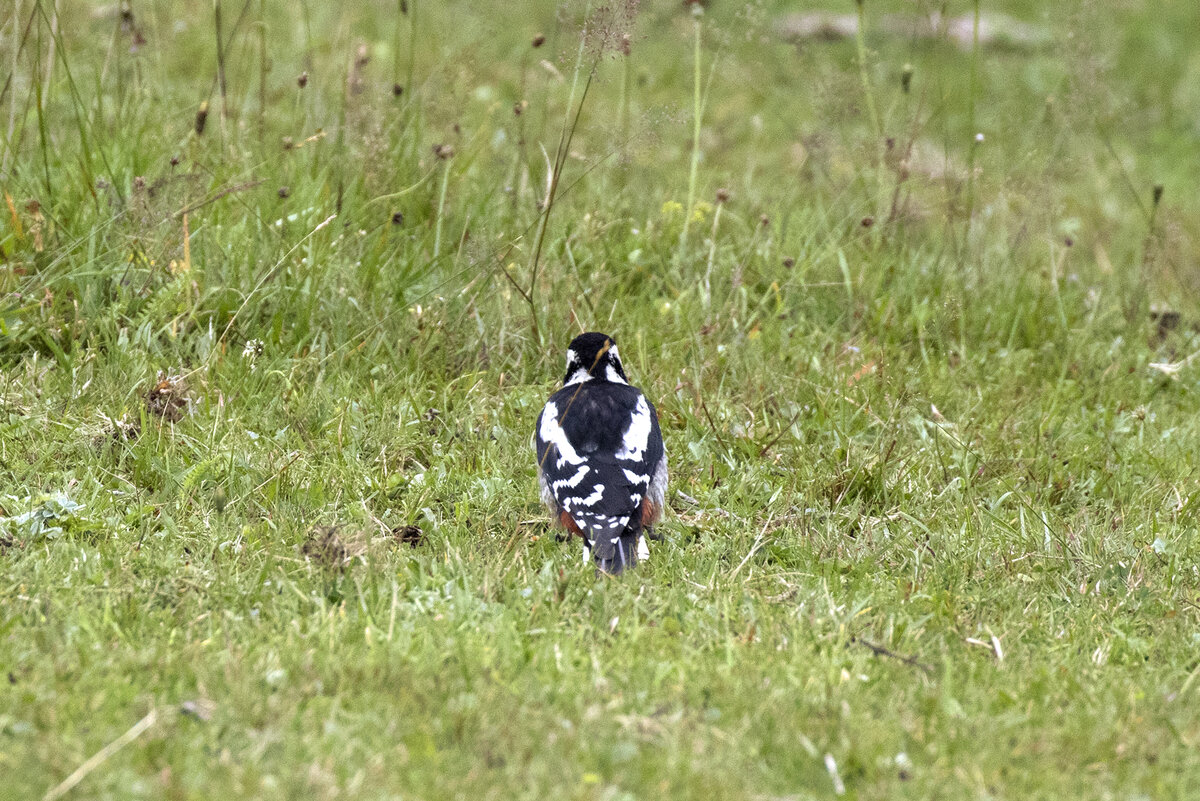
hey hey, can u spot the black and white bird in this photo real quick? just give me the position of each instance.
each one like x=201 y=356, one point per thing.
x=602 y=468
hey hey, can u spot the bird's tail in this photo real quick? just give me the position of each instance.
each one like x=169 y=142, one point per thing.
x=619 y=553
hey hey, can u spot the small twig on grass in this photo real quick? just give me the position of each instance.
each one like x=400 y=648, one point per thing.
x=100 y=757
x=779 y=436
x=758 y=543
x=879 y=650
x=229 y=190
x=1128 y=181
x=993 y=646
x=712 y=425
x=270 y=273
x=717 y=510
x=520 y=290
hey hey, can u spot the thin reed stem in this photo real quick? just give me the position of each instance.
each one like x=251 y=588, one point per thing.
x=412 y=47
x=566 y=134
x=40 y=105
x=262 y=73
x=972 y=92
x=401 y=13
x=697 y=111
x=8 y=87
x=712 y=255
x=437 y=229
x=623 y=124
x=221 y=83
x=860 y=39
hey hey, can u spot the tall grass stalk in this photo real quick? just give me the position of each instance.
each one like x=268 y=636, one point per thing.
x=441 y=211
x=860 y=41
x=1142 y=278
x=306 y=15
x=412 y=45
x=566 y=134
x=712 y=255
x=19 y=45
x=623 y=108
x=976 y=139
x=262 y=73
x=79 y=107
x=697 y=113
x=221 y=82
x=401 y=13
x=40 y=105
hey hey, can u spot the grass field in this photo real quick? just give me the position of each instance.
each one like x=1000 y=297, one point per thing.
x=284 y=285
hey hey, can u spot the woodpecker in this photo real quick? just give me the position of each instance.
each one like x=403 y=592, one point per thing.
x=602 y=468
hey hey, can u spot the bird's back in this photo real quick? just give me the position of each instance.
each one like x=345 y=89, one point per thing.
x=598 y=444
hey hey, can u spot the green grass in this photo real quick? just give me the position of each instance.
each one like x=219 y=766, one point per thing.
x=937 y=529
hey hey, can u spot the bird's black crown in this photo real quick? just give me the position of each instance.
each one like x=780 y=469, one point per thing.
x=593 y=356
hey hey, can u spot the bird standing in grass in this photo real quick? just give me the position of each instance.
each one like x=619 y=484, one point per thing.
x=602 y=468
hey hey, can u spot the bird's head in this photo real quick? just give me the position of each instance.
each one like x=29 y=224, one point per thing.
x=593 y=356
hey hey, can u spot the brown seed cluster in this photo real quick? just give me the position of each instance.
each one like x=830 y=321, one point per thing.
x=608 y=30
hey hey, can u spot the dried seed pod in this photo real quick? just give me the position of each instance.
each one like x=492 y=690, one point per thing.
x=201 y=118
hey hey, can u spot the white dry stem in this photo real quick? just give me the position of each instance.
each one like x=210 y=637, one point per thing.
x=100 y=757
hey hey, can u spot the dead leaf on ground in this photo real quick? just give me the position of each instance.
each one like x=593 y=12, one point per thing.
x=168 y=398
x=325 y=547
x=412 y=536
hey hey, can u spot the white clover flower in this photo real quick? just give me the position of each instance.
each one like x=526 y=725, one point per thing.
x=253 y=349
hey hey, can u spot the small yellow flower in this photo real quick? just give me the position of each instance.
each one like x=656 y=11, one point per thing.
x=671 y=208
x=700 y=211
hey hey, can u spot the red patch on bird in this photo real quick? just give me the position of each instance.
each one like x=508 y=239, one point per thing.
x=650 y=513
x=569 y=524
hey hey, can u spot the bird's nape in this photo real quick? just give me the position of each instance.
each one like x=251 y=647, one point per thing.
x=593 y=355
